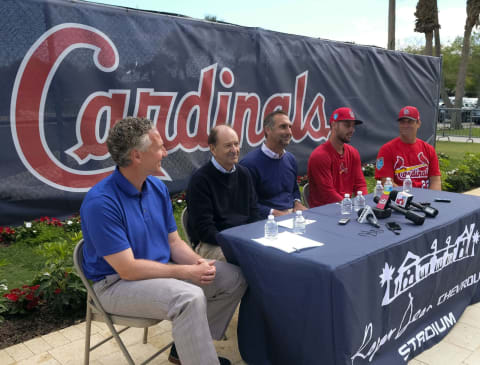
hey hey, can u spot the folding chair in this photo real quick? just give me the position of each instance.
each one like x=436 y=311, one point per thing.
x=95 y=312
x=306 y=193
x=184 y=221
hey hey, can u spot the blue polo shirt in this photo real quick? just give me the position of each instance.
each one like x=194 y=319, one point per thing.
x=115 y=216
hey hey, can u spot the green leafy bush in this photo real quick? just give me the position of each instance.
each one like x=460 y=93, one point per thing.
x=178 y=201
x=58 y=282
x=21 y=300
x=466 y=176
x=302 y=180
x=3 y=299
x=368 y=169
x=44 y=229
x=7 y=235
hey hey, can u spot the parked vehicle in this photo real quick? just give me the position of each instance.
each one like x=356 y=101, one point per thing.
x=475 y=114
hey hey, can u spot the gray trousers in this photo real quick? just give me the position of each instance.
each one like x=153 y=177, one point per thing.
x=198 y=314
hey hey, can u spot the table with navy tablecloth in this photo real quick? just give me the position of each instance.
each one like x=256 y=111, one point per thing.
x=367 y=296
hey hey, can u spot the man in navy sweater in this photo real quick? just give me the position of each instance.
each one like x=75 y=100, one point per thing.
x=274 y=170
x=220 y=194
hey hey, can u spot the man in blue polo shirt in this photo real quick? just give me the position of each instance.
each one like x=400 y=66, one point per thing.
x=138 y=262
x=273 y=169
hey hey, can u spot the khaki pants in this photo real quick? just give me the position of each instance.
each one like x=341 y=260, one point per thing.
x=209 y=251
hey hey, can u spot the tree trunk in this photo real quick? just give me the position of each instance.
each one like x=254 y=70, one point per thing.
x=438 y=52
x=391 y=25
x=428 y=43
x=444 y=95
x=462 y=73
x=436 y=32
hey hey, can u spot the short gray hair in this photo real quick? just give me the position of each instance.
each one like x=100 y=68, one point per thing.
x=126 y=135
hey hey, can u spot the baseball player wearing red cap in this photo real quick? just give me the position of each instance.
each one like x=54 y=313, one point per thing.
x=335 y=168
x=409 y=155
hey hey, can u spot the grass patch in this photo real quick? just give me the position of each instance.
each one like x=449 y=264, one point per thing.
x=456 y=151
x=464 y=132
x=21 y=264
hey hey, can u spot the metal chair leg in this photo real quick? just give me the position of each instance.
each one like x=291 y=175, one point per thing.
x=145 y=335
x=88 y=327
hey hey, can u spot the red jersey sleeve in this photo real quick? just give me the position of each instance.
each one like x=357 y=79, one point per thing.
x=384 y=163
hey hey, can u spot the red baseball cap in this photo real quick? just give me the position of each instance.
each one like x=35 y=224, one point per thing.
x=343 y=114
x=409 y=112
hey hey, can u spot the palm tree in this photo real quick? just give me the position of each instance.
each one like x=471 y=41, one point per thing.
x=436 y=32
x=427 y=22
x=391 y=25
x=473 y=20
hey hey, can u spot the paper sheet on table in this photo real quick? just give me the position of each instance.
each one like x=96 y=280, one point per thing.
x=288 y=242
x=288 y=223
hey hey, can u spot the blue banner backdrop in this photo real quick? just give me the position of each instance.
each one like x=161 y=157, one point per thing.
x=69 y=70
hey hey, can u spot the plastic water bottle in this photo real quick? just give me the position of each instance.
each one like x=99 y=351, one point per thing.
x=298 y=223
x=346 y=205
x=407 y=184
x=378 y=189
x=388 y=187
x=358 y=201
x=271 y=228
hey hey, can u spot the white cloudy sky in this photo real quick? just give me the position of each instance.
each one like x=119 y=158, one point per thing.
x=359 y=21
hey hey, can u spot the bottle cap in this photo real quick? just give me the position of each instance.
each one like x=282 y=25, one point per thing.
x=359 y=192
x=347 y=195
x=271 y=217
x=298 y=212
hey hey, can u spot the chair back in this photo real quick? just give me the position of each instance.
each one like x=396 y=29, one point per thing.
x=306 y=193
x=184 y=221
x=98 y=313
x=92 y=299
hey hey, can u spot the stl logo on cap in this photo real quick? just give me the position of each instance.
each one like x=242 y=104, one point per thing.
x=344 y=114
x=409 y=112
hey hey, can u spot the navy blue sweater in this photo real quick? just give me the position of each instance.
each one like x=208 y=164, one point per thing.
x=275 y=180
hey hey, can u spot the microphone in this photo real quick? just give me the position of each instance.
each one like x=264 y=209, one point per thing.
x=416 y=218
x=429 y=211
x=401 y=198
x=382 y=213
x=366 y=215
x=382 y=201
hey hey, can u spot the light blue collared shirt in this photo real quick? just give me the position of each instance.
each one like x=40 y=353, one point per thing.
x=270 y=153
x=221 y=168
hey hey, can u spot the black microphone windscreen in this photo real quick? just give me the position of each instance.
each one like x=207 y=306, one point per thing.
x=415 y=217
x=393 y=195
x=382 y=213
